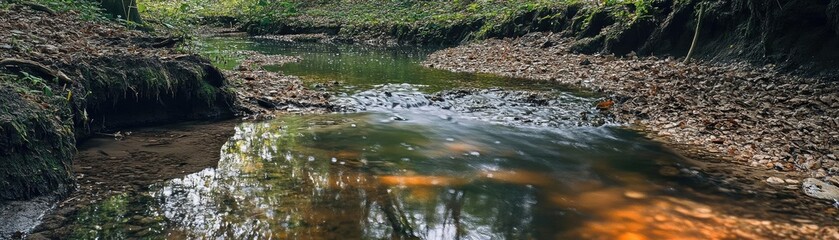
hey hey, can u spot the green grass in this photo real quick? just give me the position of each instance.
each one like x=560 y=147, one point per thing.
x=87 y=10
x=187 y=13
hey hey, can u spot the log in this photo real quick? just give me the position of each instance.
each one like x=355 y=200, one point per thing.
x=39 y=7
x=36 y=69
x=167 y=43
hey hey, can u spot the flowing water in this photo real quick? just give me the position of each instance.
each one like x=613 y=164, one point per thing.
x=524 y=161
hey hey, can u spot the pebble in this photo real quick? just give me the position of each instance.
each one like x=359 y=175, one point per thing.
x=669 y=171
x=818 y=189
x=48 y=48
x=774 y=180
x=833 y=179
x=147 y=220
x=634 y=195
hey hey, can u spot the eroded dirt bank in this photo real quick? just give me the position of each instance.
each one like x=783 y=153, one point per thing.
x=774 y=122
x=66 y=78
x=795 y=36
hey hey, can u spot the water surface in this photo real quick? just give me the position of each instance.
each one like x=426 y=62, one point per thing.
x=364 y=176
x=360 y=67
x=428 y=171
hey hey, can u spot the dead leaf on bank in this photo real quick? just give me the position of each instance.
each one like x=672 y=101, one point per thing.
x=605 y=104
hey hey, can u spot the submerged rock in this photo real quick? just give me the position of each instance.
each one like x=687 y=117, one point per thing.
x=507 y=107
x=774 y=180
x=819 y=189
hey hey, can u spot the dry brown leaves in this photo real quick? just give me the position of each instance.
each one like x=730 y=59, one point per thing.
x=751 y=114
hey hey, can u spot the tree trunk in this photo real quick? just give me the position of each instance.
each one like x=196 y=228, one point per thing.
x=123 y=9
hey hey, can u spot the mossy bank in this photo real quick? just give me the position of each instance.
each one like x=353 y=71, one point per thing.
x=41 y=120
x=761 y=32
x=37 y=141
x=63 y=79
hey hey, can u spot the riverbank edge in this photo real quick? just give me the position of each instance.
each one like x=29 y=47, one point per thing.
x=771 y=34
x=652 y=106
x=56 y=96
x=42 y=130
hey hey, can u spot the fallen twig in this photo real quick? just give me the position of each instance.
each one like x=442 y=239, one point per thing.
x=695 y=34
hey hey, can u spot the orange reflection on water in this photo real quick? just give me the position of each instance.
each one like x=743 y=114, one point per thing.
x=348 y=155
x=420 y=181
x=519 y=177
x=461 y=147
x=617 y=215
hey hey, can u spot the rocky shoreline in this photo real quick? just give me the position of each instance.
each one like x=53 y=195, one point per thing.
x=781 y=124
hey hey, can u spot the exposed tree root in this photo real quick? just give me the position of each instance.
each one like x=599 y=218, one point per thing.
x=38 y=7
x=35 y=68
x=167 y=43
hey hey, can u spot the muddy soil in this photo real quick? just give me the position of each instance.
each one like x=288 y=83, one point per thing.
x=131 y=161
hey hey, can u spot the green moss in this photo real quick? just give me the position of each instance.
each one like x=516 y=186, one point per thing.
x=38 y=130
x=207 y=93
x=36 y=142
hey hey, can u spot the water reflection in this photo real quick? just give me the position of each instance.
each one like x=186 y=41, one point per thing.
x=407 y=173
x=358 y=67
x=350 y=176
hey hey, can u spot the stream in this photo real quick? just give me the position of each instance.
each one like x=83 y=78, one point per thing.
x=418 y=153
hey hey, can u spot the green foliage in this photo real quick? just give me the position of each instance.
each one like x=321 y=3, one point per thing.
x=36 y=82
x=629 y=10
x=39 y=143
x=186 y=14
x=87 y=10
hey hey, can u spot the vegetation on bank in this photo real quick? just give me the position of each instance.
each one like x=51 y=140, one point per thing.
x=261 y=14
x=69 y=72
x=35 y=138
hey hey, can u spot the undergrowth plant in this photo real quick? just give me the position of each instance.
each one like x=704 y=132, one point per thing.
x=87 y=10
x=36 y=82
x=630 y=10
x=186 y=14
